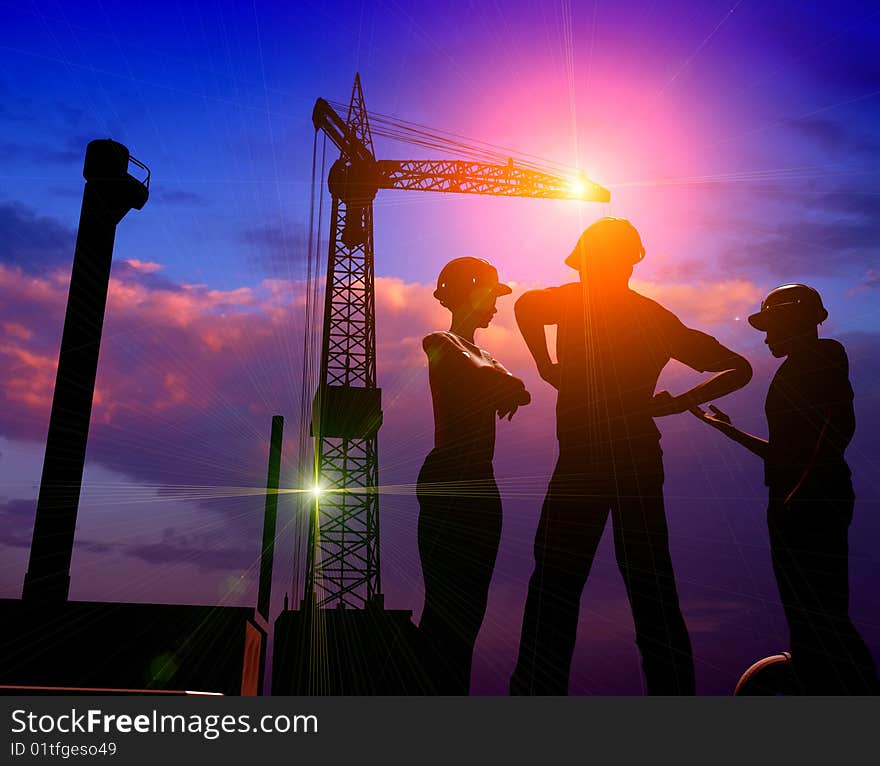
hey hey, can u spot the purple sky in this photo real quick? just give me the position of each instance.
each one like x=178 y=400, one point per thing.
x=739 y=137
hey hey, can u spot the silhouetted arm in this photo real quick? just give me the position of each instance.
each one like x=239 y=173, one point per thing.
x=703 y=353
x=721 y=422
x=464 y=369
x=512 y=393
x=737 y=373
x=442 y=351
x=534 y=310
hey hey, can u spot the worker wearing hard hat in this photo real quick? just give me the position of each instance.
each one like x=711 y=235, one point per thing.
x=459 y=506
x=611 y=345
x=811 y=420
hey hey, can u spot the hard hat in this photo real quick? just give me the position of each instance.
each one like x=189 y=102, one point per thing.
x=461 y=276
x=607 y=237
x=794 y=302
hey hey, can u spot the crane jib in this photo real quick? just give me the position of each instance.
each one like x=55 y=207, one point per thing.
x=465 y=177
x=449 y=175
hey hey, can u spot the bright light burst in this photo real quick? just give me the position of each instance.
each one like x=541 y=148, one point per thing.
x=577 y=187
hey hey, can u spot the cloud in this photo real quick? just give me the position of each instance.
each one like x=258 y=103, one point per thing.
x=189 y=376
x=280 y=250
x=40 y=154
x=707 y=303
x=836 y=136
x=145 y=267
x=175 y=365
x=860 y=201
x=275 y=247
x=17 y=525
x=870 y=281
x=31 y=241
x=809 y=244
x=145 y=273
x=16 y=522
x=198 y=550
x=70 y=149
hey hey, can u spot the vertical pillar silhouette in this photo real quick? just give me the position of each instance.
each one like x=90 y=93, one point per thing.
x=267 y=556
x=110 y=192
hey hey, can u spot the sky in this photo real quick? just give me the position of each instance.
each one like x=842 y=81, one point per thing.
x=739 y=137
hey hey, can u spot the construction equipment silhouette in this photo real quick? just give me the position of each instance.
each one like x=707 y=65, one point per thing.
x=342 y=640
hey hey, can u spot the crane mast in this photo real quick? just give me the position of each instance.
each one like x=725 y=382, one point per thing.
x=342 y=558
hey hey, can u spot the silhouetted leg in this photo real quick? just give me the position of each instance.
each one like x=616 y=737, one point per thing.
x=810 y=559
x=641 y=544
x=568 y=534
x=458 y=545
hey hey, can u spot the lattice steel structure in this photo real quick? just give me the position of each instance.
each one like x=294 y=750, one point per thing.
x=342 y=565
x=465 y=177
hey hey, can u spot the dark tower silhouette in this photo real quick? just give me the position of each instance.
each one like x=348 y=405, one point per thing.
x=110 y=192
x=342 y=567
x=268 y=551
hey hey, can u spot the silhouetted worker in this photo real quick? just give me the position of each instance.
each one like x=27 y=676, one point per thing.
x=611 y=345
x=810 y=417
x=460 y=508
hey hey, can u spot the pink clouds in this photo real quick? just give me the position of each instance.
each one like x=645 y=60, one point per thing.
x=406 y=312
x=709 y=302
x=145 y=267
x=190 y=376
x=31 y=377
x=190 y=352
x=16 y=330
x=168 y=352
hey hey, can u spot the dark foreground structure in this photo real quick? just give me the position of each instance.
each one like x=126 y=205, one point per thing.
x=110 y=193
x=132 y=647
x=371 y=651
